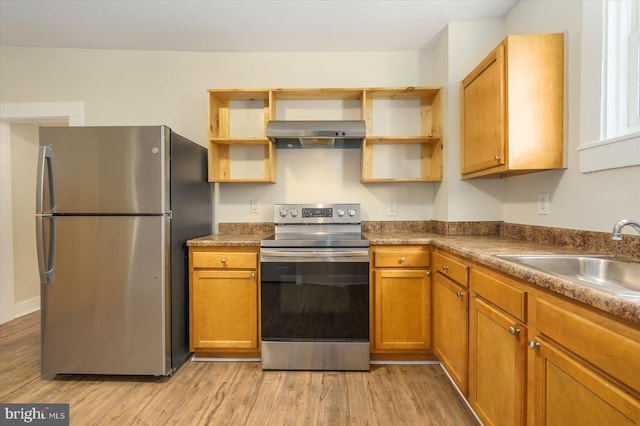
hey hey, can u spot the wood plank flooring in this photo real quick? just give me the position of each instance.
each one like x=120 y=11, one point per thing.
x=230 y=393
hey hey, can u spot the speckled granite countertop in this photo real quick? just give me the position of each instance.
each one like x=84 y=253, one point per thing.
x=482 y=250
x=228 y=240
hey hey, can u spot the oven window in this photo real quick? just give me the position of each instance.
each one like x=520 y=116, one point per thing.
x=315 y=301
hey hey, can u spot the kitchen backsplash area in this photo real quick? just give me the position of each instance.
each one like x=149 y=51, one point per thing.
x=597 y=242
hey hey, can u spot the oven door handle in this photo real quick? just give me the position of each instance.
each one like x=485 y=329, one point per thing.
x=314 y=255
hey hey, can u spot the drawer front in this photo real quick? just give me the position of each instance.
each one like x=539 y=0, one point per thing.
x=401 y=258
x=224 y=260
x=451 y=268
x=506 y=297
x=608 y=350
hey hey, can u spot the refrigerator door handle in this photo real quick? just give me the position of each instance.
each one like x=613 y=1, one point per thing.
x=46 y=260
x=45 y=161
x=46 y=264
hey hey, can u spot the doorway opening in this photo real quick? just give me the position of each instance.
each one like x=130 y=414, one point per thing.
x=19 y=122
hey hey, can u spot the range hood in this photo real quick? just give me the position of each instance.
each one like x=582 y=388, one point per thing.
x=287 y=134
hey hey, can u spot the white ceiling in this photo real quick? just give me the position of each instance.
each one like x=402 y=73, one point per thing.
x=238 y=25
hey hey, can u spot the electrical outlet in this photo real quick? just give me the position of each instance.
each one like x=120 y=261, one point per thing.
x=543 y=203
x=391 y=208
x=255 y=207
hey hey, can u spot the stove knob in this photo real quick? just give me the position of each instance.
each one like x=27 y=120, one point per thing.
x=283 y=212
x=340 y=212
x=352 y=212
x=294 y=212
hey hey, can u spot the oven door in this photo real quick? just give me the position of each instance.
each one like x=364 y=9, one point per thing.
x=319 y=294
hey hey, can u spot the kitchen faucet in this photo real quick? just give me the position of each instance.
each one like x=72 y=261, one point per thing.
x=617 y=228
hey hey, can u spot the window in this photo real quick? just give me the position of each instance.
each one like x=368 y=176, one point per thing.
x=634 y=74
x=618 y=141
x=620 y=107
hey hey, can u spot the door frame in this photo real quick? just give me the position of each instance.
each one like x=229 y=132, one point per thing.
x=32 y=113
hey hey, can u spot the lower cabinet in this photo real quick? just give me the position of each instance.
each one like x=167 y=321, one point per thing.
x=223 y=301
x=587 y=366
x=497 y=365
x=451 y=322
x=569 y=392
x=497 y=349
x=401 y=300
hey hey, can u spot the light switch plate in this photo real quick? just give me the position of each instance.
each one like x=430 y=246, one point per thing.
x=392 y=209
x=255 y=207
x=543 y=203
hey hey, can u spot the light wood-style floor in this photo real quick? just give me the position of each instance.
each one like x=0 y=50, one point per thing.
x=230 y=393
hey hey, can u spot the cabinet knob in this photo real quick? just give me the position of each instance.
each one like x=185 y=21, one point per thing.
x=445 y=268
x=253 y=275
x=223 y=260
x=533 y=344
x=403 y=259
x=497 y=158
x=428 y=273
x=514 y=331
x=459 y=293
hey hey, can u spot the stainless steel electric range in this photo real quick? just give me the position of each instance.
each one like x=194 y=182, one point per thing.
x=315 y=289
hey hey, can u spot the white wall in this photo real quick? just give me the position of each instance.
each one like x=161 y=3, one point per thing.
x=140 y=87
x=145 y=87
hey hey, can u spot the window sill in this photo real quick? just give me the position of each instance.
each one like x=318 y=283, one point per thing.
x=623 y=151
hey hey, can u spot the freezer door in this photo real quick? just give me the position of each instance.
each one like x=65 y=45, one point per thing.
x=106 y=311
x=108 y=169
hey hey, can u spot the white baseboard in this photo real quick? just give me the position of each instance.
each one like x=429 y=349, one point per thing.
x=26 y=307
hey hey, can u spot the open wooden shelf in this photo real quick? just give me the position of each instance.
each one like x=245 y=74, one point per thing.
x=429 y=137
x=262 y=104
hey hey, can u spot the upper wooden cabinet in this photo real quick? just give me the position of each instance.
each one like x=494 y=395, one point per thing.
x=403 y=140
x=512 y=107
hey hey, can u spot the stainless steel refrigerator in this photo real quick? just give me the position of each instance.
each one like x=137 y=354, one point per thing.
x=115 y=206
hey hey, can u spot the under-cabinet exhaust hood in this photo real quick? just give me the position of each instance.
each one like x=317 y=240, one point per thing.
x=288 y=134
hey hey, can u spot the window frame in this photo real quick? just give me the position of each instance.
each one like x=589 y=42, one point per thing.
x=618 y=139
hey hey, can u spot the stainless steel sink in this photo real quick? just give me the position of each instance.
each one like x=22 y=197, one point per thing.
x=610 y=274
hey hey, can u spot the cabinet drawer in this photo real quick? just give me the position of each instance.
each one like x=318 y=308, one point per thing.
x=612 y=352
x=453 y=269
x=227 y=260
x=506 y=297
x=401 y=258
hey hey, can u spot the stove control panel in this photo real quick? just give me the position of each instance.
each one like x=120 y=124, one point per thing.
x=316 y=213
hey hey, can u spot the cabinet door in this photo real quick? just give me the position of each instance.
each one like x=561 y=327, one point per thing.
x=497 y=365
x=482 y=115
x=450 y=328
x=402 y=300
x=569 y=392
x=224 y=310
